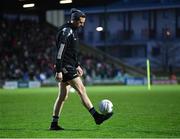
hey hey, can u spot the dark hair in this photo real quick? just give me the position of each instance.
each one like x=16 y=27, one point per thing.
x=76 y=14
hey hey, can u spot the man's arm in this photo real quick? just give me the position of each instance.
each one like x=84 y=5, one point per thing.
x=61 y=45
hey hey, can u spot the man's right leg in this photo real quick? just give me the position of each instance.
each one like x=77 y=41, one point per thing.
x=62 y=96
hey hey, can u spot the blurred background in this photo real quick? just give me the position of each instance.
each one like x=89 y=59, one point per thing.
x=118 y=37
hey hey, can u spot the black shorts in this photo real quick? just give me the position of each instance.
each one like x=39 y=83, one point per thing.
x=69 y=72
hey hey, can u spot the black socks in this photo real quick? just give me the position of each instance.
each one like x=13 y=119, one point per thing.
x=55 y=119
x=93 y=112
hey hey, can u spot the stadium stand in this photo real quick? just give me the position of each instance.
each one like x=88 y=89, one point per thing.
x=27 y=53
x=26 y=49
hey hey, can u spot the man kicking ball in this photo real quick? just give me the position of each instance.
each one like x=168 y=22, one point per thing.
x=69 y=71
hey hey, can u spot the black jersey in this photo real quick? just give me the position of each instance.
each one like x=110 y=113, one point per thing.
x=67 y=43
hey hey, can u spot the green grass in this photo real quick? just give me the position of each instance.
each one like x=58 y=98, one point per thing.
x=138 y=113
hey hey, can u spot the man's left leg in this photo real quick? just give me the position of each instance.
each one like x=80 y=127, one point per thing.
x=77 y=84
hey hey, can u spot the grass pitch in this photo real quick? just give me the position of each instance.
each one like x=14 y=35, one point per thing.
x=26 y=113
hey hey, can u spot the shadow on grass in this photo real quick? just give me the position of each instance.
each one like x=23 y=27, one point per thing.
x=80 y=129
x=12 y=129
x=33 y=129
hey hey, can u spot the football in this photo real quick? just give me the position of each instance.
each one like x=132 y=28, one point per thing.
x=105 y=106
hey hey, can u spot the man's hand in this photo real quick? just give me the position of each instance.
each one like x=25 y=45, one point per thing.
x=79 y=71
x=59 y=76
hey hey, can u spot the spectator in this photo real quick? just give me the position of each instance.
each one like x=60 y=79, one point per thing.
x=26 y=49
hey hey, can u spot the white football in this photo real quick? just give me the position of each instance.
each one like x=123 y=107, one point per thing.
x=105 y=106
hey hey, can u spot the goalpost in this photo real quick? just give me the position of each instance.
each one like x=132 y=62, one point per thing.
x=148 y=74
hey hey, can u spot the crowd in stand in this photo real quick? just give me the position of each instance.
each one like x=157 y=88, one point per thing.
x=96 y=68
x=25 y=50
x=26 y=53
